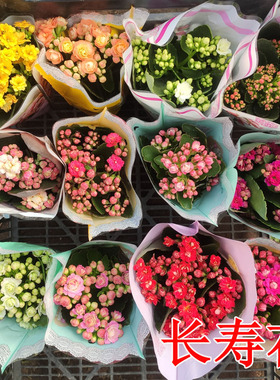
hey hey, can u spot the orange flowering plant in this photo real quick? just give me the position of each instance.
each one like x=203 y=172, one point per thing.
x=88 y=51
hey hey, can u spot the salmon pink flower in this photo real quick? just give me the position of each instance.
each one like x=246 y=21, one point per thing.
x=83 y=50
x=54 y=56
x=90 y=322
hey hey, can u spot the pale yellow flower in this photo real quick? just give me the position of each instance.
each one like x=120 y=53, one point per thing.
x=18 y=82
x=10 y=100
x=22 y=24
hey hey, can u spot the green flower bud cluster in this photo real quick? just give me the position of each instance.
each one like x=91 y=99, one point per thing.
x=206 y=81
x=164 y=61
x=196 y=65
x=170 y=89
x=200 y=101
x=22 y=286
x=202 y=45
x=220 y=62
x=140 y=59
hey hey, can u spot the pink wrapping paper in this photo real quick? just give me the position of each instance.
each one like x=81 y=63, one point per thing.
x=191 y=369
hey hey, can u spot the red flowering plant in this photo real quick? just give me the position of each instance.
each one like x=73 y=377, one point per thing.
x=256 y=200
x=188 y=278
x=30 y=174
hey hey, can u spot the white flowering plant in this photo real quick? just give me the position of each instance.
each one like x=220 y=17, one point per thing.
x=22 y=287
x=186 y=71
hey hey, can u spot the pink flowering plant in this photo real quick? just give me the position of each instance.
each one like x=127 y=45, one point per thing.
x=95 y=181
x=187 y=277
x=94 y=293
x=259 y=94
x=181 y=163
x=267 y=311
x=88 y=51
x=256 y=197
x=28 y=180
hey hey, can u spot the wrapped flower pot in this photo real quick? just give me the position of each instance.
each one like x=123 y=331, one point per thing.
x=89 y=303
x=23 y=321
x=99 y=153
x=256 y=202
x=20 y=96
x=187 y=61
x=253 y=96
x=181 y=273
x=266 y=254
x=190 y=164
x=31 y=175
x=82 y=58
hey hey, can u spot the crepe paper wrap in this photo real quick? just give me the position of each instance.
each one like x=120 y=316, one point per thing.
x=255 y=137
x=35 y=103
x=65 y=338
x=210 y=204
x=238 y=254
x=100 y=224
x=16 y=342
x=275 y=249
x=245 y=66
x=69 y=88
x=223 y=19
x=44 y=147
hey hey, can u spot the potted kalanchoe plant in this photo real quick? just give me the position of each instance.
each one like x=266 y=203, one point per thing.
x=31 y=175
x=23 y=273
x=187 y=273
x=98 y=154
x=19 y=95
x=185 y=62
x=256 y=201
x=85 y=54
x=189 y=164
x=90 y=302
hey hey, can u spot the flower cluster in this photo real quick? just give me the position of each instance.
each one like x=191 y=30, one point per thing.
x=259 y=184
x=186 y=165
x=260 y=93
x=87 y=295
x=17 y=55
x=268 y=289
x=23 y=170
x=95 y=157
x=184 y=71
x=88 y=51
x=22 y=287
x=188 y=283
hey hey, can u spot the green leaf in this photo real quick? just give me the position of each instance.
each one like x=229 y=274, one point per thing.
x=270 y=31
x=257 y=199
x=185 y=139
x=186 y=203
x=274 y=317
x=109 y=85
x=245 y=148
x=262 y=59
x=269 y=158
x=195 y=133
x=4 y=197
x=97 y=204
x=256 y=172
x=269 y=115
x=202 y=31
x=273 y=198
x=189 y=73
x=149 y=152
x=248 y=99
x=161 y=313
x=157 y=160
x=215 y=170
x=184 y=46
x=267 y=48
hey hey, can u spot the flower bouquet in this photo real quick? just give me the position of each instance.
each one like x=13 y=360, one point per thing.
x=186 y=62
x=99 y=152
x=266 y=254
x=23 y=321
x=187 y=273
x=253 y=97
x=82 y=59
x=191 y=165
x=19 y=95
x=256 y=201
x=90 y=306
x=31 y=175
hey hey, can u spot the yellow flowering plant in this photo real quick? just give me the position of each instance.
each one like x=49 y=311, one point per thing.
x=18 y=52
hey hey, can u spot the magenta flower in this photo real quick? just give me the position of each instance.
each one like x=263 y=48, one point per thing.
x=74 y=286
x=115 y=162
x=76 y=168
x=90 y=322
x=112 y=332
x=101 y=281
x=112 y=139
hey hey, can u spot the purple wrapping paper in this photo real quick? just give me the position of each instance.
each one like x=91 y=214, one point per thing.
x=190 y=368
